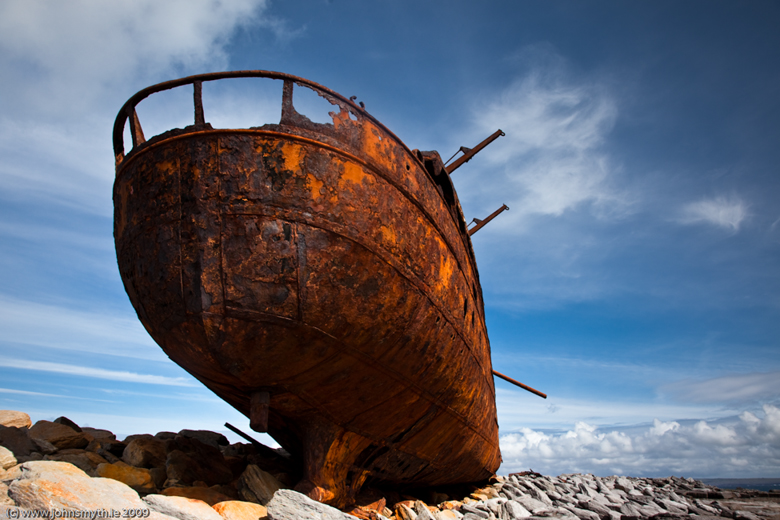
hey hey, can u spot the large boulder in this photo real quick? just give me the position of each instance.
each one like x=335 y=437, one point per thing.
x=14 y=419
x=181 y=469
x=110 y=449
x=97 y=433
x=67 y=422
x=137 y=478
x=145 y=453
x=18 y=441
x=207 y=437
x=47 y=485
x=256 y=485
x=60 y=435
x=201 y=462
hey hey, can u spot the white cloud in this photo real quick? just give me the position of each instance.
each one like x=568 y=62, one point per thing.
x=739 y=446
x=726 y=212
x=98 y=373
x=75 y=49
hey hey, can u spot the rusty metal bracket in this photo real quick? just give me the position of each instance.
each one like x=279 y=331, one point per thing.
x=468 y=153
x=482 y=223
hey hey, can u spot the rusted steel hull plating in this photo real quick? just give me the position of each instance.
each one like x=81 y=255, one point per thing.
x=320 y=279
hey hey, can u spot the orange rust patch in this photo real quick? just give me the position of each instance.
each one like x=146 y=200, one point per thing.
x=315 y=185
x=353 y=173
x=388 y=234
x=293 y=155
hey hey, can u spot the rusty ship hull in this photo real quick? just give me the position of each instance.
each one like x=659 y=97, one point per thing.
x=320 y=279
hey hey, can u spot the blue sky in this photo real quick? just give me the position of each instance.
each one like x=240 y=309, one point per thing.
x=635 y=278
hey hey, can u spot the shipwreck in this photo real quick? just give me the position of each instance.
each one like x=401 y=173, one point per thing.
x=320 y=278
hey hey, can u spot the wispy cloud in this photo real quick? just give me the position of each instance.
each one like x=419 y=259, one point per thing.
x=553 y=157
x=98 y=373
x=65 y=328
x=725 y=212
x=42 y=394
x=758 y=386
x=747 y=445
x=518 y=409
x=79 y=62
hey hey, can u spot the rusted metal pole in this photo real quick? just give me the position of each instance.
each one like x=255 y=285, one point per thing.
x=521 y=385
x=483 y=223
x=468 y=153
x=262 y=448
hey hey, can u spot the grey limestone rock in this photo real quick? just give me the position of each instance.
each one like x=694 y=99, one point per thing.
x=595 y=507
x=494 y=505
x=630 y=509
x=531 y=504
x=745 y=515
x=512 y=510
x=182 y=508
x=582 y=514
x=673 y=506
x=623 y=484
x=475 y=509
x=291 y=505
x=423 y=513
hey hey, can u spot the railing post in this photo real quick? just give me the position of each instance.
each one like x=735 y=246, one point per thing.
x=200 y=119
x=287 y=102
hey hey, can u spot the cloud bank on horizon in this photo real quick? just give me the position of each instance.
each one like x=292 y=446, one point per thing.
x=634 y=279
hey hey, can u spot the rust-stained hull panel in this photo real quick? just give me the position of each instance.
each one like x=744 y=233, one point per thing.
x=323 y=265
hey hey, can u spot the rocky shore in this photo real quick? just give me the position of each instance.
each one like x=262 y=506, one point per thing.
x=62 y=468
